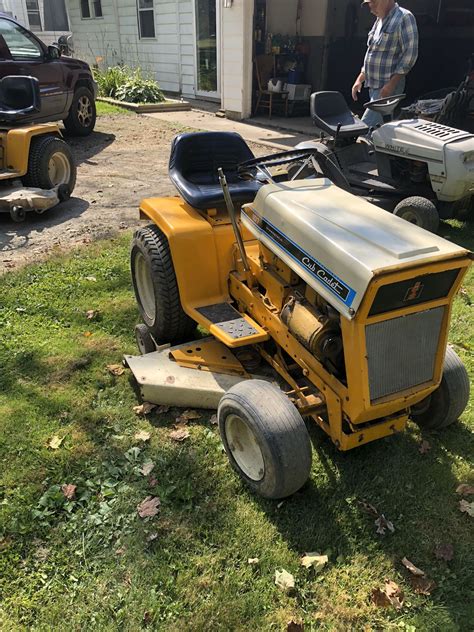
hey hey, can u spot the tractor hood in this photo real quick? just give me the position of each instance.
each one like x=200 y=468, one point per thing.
x=417 y=139
x=336 y=242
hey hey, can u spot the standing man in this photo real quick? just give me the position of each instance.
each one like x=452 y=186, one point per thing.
x=392 y=50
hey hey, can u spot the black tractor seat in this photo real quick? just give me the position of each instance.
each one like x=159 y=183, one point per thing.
x=329 y=110
x=193 y=166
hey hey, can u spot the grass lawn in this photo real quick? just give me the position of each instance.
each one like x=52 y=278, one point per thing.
x=108 y=108
x=90 y=562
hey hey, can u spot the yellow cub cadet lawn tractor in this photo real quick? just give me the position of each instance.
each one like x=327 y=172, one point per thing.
x=344 y=306
x=37 y=170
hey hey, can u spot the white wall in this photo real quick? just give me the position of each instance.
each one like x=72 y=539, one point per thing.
x=168 y=57
x=281 y=16
x=236 y=56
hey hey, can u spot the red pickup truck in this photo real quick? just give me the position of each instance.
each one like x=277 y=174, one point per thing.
x=67 y=88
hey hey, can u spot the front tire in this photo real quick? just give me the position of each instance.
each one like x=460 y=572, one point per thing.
x=50 y=164
x=447 y=403
x=265 y=438
x=156 y=288
x=82 y=115
x=420 y=211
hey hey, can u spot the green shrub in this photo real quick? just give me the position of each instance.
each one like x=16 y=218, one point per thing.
x=126 y=84
x=110 y=79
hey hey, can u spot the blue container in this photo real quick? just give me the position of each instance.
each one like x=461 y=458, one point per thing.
x=295 y=76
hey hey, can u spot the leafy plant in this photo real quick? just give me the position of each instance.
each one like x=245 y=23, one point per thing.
x=127 y=84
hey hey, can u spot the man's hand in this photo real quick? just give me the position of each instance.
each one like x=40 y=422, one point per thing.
x=356 y=88
x=386 y=91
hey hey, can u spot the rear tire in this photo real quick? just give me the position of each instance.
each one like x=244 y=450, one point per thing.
x=420 y=211
x=265 y=438
x=156 y=288
x=447 y=403
x=82 y=115
x=50 y=164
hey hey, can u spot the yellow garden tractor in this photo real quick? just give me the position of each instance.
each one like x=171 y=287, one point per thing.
x=317 y=304
x=37 y=170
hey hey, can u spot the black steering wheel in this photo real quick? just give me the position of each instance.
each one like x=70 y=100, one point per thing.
x=386 y=105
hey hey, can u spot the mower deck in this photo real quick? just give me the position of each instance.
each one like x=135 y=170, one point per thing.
x=195 y=374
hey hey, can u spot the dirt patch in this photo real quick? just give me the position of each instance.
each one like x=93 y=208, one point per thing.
x=122 y=162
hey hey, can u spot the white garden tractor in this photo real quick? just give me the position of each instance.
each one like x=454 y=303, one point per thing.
x=420 y=170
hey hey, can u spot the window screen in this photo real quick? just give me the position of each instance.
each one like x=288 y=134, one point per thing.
x=85 y=9
x=34 y=18
x=146 y=18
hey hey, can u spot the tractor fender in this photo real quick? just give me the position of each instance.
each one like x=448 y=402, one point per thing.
x=198 y=250
x=17 y=146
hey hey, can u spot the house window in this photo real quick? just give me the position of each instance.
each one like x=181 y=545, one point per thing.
x=34 y=18
x=97 y=4
x=85 y=9
x=146 y=18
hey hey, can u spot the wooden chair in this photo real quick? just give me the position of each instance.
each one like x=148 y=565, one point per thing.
x=266 y=99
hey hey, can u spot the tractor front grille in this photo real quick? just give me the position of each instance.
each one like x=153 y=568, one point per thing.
x=401 y=352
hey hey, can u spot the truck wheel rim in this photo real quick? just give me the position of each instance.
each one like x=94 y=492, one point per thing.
x=84 y=111
x=145 y=288
x=244 y=447
x=59 y=169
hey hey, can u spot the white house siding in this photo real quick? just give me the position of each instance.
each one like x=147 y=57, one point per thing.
x=168 y=57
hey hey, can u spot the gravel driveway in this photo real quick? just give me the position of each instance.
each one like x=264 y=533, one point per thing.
x=123 y=161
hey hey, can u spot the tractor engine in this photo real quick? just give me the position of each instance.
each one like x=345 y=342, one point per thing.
x=318 y=330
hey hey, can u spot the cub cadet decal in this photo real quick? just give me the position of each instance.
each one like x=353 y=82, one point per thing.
x=414 y=292
x=324 y=276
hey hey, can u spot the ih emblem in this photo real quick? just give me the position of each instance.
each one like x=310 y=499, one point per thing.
x=414 y=292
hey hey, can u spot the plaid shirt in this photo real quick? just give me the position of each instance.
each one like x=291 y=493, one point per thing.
x=392 y=47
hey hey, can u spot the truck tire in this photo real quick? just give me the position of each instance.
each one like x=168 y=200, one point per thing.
x=447 y=403
x=156 y=288
x=82 y=114
x=420 y=211
x=265 y=438
x=50 y=164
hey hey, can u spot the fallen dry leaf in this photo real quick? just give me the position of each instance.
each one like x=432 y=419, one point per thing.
x=444 y=552
x=368 y=508
x=42 y=553
x=90 y=314
x=90 y=278
x=412 y=568
x=55 y=442
x=314 y=560
x=144 y=409
x=284 y=580
x=142 y=435
x=466 y=507
x=179 y=435
x=115 y=369
x=382 y=524
x=294 y=626
x=424 y=447
x=389 y=595
x=152 y=481
x=162 y=409
x=87 y=334
x=213 y=420
x=149 y=507
x=120 y=551
x=151 y=536
x=69 y=491
x=190 y=414
x=422 y=585
x=465 y=489
x=253 y=560
x=147 y=468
